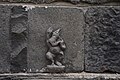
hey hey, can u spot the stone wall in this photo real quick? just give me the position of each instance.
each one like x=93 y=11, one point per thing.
x=90 y=29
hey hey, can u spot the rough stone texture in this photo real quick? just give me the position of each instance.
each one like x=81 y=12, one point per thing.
x=100 y=1
x=72 y=1
x=18 y=23
x=42 y=1
x=92 y=1
x=17 y=0
x=70 y=20
x=96 y=1
x=69 y=76
x=102 y=40
x=4 y=39
x=34 y=1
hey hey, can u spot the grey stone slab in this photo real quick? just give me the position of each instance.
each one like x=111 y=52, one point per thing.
x=71 y=21
x=18 y=24
x=97 y=1
x=68 y=76
x=92 y=1
x=29 y=1
x=102 y=40
x=74 y=1
x=4 y=39
x=42 y=1
x=71 y=1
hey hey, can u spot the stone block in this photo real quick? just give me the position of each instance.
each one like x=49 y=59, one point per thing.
x=71 y=22
x=68 y=76
x=19 y=25
x=102 y=39
x=4 y=39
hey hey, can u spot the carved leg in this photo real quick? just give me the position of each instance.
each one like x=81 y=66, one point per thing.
x=59 y=58
x=58 y=63
x=50 y=56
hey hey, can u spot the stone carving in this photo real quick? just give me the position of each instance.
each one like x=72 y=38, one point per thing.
x=71 y=21
x=18 y=25
x=55 y=52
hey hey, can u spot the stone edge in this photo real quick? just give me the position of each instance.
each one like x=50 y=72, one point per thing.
x=82 y=75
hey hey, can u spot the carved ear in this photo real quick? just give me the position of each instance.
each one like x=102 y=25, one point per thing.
x=58 y=30
x=50 y=30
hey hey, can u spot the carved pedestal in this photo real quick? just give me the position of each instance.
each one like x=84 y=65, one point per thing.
x=53 y=69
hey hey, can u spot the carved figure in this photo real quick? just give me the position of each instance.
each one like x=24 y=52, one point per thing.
x=56 y=47
x=55 y=53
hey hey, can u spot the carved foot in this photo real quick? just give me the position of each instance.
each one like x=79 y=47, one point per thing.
x=43 y=70
x=58 y=63
x=53 y=64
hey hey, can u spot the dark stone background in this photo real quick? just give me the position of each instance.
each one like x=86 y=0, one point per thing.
x=18 y=25
x=5 y=43
x=102 y=40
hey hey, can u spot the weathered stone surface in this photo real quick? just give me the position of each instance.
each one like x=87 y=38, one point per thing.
x=4 y=39
x=18 y=23
x=43 y=1
x=34 y=1
x=72 y=1
x=102 y=40
x=96 y=1
x=70 y=20
x=69 y=76
x=16 y=0
x=93 y=1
